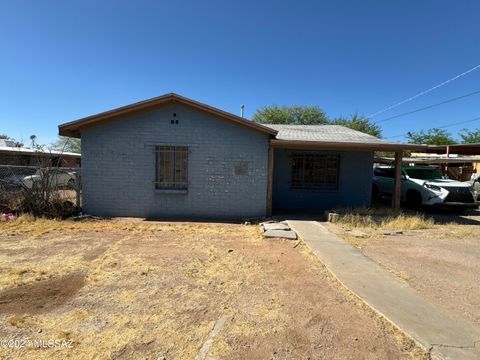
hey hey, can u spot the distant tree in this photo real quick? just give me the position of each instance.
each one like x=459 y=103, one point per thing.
x=470 y=136
x=68 y=144
x=359 y=123
x=433 y=136
x=297 y=115
x=313 y=115
x=4 y=137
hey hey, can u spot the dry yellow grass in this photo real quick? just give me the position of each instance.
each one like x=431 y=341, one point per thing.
x=119 y=328
x=383 y=219
x=148 y=284
x=39 y=226
x=407 y=222
x=451 y=231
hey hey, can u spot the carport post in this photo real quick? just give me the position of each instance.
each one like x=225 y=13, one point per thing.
x=397 y=187
x=270 y=180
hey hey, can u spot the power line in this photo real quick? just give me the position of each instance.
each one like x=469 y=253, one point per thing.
x=429 y=107
x=424 y=92
x=440 y=127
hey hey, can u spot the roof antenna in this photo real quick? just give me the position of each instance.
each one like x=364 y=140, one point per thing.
x=242 y=108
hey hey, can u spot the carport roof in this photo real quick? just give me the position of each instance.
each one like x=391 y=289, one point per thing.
x=460 y=149
x=333 y=137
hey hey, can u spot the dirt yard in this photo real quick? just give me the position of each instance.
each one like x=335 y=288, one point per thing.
x=440 y=259
x=150 y=290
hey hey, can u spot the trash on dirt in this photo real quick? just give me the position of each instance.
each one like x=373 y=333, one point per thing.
x=84 y=217
x=332 y=216
x=8 y=216
x=358 y=234
x=392 y=232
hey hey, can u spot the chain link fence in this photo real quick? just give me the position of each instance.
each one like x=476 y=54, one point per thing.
x=40 y=191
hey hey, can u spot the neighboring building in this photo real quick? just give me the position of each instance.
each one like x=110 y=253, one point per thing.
x=22 y=156
x=174 y=157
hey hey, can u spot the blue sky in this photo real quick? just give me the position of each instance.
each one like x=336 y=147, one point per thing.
x=63 y=60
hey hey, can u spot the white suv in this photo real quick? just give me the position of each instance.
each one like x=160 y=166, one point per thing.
x=57 y=178
x=424 y=186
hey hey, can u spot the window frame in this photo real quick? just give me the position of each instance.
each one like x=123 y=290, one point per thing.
x=178 y=154
x=319 y=184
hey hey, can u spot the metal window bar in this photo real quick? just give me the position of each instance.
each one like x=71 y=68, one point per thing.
x=171 y=167
x=314 y=171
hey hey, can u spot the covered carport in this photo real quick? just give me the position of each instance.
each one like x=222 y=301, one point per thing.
x=319 y=145
x=457 y=167
x=459 y=149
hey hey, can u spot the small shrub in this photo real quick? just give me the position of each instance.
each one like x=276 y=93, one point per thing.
x=42 y=198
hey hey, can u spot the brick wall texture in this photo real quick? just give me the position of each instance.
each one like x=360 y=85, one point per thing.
x=118 y=166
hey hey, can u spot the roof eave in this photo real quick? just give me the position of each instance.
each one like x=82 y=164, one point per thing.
x=73 y=128
x=340 y=145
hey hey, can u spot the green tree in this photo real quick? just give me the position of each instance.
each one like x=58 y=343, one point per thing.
x=433 y=136
x=470 y=137
x=359 y=123
x=68 y=144
x=297 y=115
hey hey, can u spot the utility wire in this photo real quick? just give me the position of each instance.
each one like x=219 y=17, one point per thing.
x=440 y=127
x=423 y=92
x=429 y=107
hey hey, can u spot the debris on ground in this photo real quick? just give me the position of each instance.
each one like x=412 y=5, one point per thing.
x=277 y=230
x=357 y=233
x=8 y=216
x=84 y=217
x=332 y=216
x=395 y=232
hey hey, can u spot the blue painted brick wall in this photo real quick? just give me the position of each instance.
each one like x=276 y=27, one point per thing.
x=118 y=166
x=354 y=187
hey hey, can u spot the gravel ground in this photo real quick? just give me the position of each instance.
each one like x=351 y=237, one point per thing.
x=442 y=263
x=445 y=271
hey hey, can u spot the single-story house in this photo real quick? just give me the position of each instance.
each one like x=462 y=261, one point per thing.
x=12 y=155
x=171 y=156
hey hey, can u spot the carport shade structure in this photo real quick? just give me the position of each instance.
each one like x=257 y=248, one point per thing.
x=333 y=137
x=459 y=149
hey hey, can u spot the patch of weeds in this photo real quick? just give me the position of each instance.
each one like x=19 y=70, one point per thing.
x=382 y=218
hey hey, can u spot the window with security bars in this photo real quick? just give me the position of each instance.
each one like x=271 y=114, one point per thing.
x=315 y=171
x=171 y=167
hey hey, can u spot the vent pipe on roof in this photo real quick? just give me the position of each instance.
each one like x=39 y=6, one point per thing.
x=242 y=108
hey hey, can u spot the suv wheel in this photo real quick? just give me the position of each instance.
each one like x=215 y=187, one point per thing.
x=413 y=198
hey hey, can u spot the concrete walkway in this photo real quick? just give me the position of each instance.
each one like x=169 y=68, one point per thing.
x=438 y=334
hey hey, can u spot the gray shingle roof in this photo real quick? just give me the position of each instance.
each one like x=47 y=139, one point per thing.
x=330 y=133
